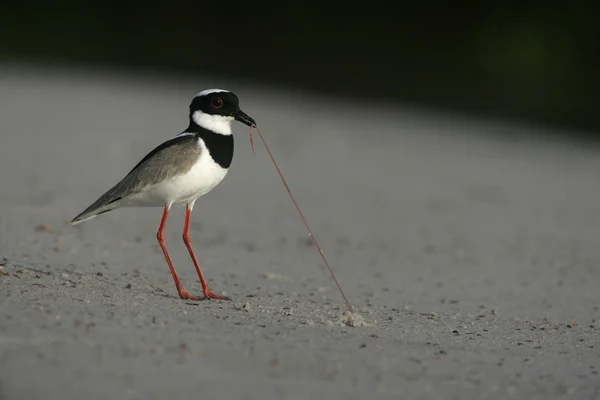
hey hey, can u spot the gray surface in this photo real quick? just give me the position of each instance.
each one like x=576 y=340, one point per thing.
x=474 y=255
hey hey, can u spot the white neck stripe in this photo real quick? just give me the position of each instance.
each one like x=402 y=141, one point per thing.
x=216 y=123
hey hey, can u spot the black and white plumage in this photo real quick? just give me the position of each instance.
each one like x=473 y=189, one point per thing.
x=181 y=169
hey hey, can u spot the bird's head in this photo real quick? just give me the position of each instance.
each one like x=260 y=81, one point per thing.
x=214 y=109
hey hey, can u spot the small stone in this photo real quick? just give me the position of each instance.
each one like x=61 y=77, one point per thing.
x=246 y=307
x=44 y=228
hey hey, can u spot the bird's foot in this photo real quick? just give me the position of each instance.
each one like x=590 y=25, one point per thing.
x=186 y=296
x=209 y=294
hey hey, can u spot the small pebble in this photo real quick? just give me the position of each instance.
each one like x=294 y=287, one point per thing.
x=44 y=228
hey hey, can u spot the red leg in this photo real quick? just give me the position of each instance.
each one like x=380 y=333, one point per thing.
x=160 y=235
x=187 y=239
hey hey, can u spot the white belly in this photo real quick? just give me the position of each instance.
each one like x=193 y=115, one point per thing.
x=203 y=177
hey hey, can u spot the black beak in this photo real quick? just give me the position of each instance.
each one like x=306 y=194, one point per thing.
x=244 y=118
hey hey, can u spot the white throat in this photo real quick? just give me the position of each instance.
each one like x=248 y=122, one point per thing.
x=216 y=123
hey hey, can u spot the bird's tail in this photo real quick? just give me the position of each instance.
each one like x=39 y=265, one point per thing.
x=108 y=201
x=93 y=212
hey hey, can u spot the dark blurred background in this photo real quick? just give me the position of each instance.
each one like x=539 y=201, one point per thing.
x=535 y=63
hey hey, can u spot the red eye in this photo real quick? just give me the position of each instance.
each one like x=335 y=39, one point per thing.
x=216 y=102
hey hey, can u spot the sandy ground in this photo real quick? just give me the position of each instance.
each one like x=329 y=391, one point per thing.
x=470 y=249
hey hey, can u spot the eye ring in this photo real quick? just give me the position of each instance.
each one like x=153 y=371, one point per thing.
x=216 y=102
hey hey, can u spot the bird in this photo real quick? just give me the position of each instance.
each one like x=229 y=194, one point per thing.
x=179 y=171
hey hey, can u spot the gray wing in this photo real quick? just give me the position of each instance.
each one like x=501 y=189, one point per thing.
x=171 y=158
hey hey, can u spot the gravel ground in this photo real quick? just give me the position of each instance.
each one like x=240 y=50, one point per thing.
x=468 y=248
